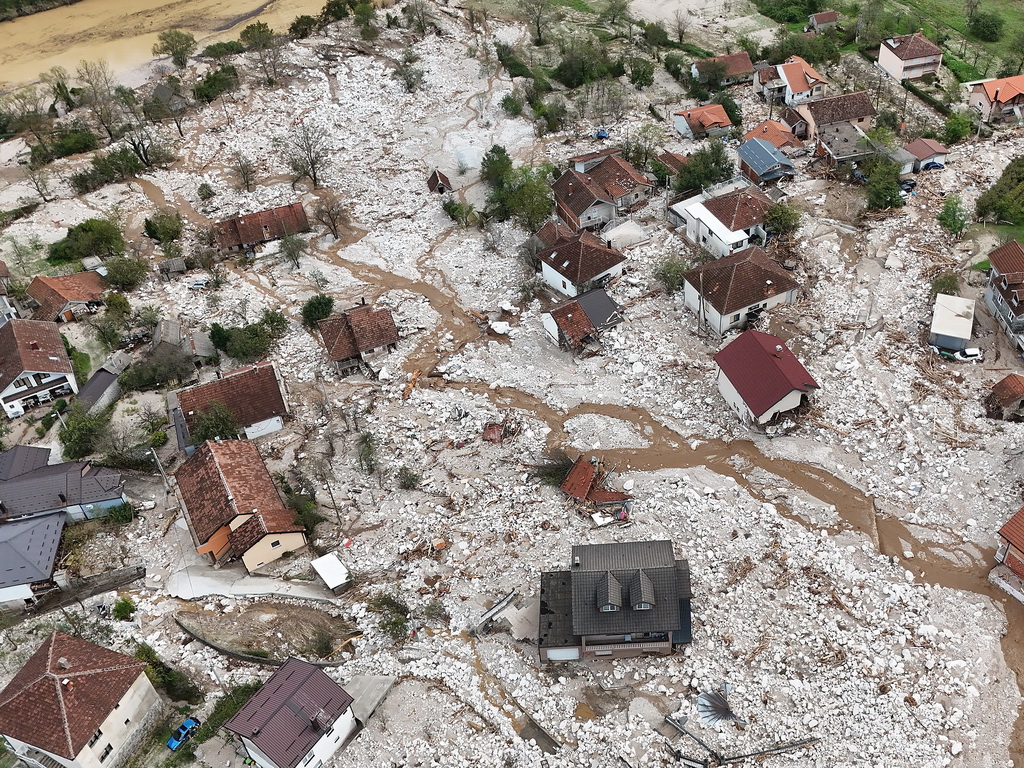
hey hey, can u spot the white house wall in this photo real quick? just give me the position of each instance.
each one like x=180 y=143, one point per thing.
x=732 y=398
x=257 y=756
x=550 y=326
x=556 y=281
x=788 y=403
x=265 y=427
x=322 y=751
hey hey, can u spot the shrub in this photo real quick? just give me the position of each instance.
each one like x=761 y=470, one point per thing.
x=409 y=479
x=122 y=514
x=335 y=10
x=655 y=34
x=707 y=166
x=116 y=165
x=93 y=237
x=641 y=73
x=1004 y=200
x=512 y=104
x=164 y=226
x=81 y=432
x=947 y=283
x=675 y=65
x=158 y=439
x=216 y=82
x=953 y=216
x=883 y=187
x=302 y=26
x=366 y=447
x=732 y=109
x=395 y=615
x=125 y=273
x=316 y=309
x=205 y=192
x=81 y=364
x=583 y=63
x=73 y=140
x=957 y=127
x=252 y=342
x=510 y=61
x=220 y=50
x=215 y=421
x=461 y=213
x=986 y=26
x=554 y=469
x=175 y=684
x=781 y=219
x=123 y=609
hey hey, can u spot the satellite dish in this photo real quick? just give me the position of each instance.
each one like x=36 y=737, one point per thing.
x=713 y=707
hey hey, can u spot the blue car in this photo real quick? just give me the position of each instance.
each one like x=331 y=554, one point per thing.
x=185 y=732
x=932 y=166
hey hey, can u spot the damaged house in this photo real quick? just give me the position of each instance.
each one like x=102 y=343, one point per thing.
x=244 y=233
x=575 y=265
x=358 y=336
x=580 y=321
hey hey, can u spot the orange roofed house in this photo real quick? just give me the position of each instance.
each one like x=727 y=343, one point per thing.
x=243 y=233
x=77 y=705
x=232 y=506
x=776 y=134
x=358 y=335
x=702 y=122
x=1011 y=549
x=999 y=100
x=66 y=298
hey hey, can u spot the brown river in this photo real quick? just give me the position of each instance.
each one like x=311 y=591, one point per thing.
x=123 y=32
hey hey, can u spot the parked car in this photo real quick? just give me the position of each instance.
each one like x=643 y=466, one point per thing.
x=932 y=166
x=199 y=285
x=969 y=355
x=908 y=184
x=185 y=732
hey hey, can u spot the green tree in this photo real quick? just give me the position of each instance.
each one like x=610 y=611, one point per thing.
x=641 y=73
x=316 y=309
x=176 y=44
x=953 y=217
x=335 y=10
x=957 y=126
x=260 y=39
x=163 y=226
x=671 y=273
x=303 y=26
x=292 y=248
x=781 y=220
x=307 y=150
x=615 y=10
x=81 y=432
x=125 y=273
x=1004 y=200
x=214 y=421
x=537 y=14
x=987 y=26
x=496 y=166
x=707 y=166
x=93 y=237
x=732 y=109
x=945 y=282
x=525 y=196
x=883 y=187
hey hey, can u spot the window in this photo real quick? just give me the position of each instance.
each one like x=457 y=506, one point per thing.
x=127 y=720
x=23 y=383
x=564 y=284
x=106 y=752
x=735 y=318
x=95 y=737
x=275 y=544
x=609 y=608
x=309 y=758
x=642 y=607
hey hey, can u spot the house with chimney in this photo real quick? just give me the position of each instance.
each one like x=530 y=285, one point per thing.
x=34 y=366
x=702 y=122
x=776 y=134
x=999 y=100
x=254 y=396
x=78 y=705
x=725 y=218
x=244 y=233
x=358 y=336
x=733 y=291
x=615 y=601
x=760 y=378
x=578 y=323
x=575 y=265
x=814 y=117
x=730 y=69
x=299 y=717
x=909 y=57
x=232 y=507
x=608 y=185
x=65 y=298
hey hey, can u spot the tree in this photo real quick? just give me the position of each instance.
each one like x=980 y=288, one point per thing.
x=173 y=106
x=537 y=14
x=292 y=247
x=261 y=39
x=671 y=273
x=639 y=148
x=335 y=10
x=176 y=44
x=953 y=217
x=93 y=237
x=410 y=76
x=27 y=112
x=97 y=84
x=711 y=74
x=707 y=166
x=126 y=273
x=732 y=109
x=303 y=26
x=245 y=169
x=58 y=81
x=364 y=14
x=971 y=8
x=316 y=309
x=40 y=180
x=680 y=23
x=781 y=220
x=81 y=432
x=945 y=282
x=641 y=73
x=163 y=226
x=987 y=26
x=214 y=421
x=495 y=166
x=330 y=211
x=419 y=16
x=957 y=126
x=525 y=196
x=307 y=152
x=615 y=10
x=137 y=130
x=883 y=187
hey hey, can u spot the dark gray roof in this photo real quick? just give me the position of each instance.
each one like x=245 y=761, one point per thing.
x=556 y=610
x=627 y=574
x=96 y=386
x=600 y=308
x=762 y=157
x=36 y=489
x=28 y=548
x=21 y=459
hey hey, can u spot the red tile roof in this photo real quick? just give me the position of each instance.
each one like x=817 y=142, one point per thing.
x=1008 y=88
x=703 y=119
x=800 y=75
x=674 y=162
x=922 y=149
x=580 y=479
x=221 y=481
x=775 y=133
x=261 y=227
x=552 y=232
x=64 y=692
x=252 y=531
x=357 y=330
x=573 y=322
x=577 y=191
x=251 y=394
x=740 y=209
x=595 y=155
x=825 y=17
x=735 y=64
x=763 y=370
x=1013 y=531
x=1008 y=260
x=617 y=177
x=54 y=293
x=912 y=46
x=31 y=345
x=738 y=281
x=581 y=258
x=1009 y=390
x=291 y=712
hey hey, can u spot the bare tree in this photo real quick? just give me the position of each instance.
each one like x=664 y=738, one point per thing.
x=330 y=211
x=538 y=15
x=57 y=80
x=306 y=151
x=138 y=131
x=615 y=9
x=41 y=181
x=971 y=8
x=245 y=170
x=420 y=18
x=27 y=110
x=680 y=23
x=98 y=95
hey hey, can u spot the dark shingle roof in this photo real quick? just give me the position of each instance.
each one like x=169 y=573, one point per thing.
x=843 y=108
x=763 y=370
x=581 y=258
x=39 y=487
x=28 y=547
x=290 y=713
x=738 y=281
x=360 y=329
x=251 y=394
x=556 y=610
x=31 y=345
x=39 y=708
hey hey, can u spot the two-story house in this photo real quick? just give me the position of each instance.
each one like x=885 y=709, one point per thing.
x=77 y=705
x=999 y=100
x=597 y=187
x=1004 y=294
x=576 y=264
x=702 y=122
x=909 y=57
x=801 y=82
x=818 y=115
x=34 y=366
x=725 y=218
x=762 y=163
x=67 y=297
x=615 y=601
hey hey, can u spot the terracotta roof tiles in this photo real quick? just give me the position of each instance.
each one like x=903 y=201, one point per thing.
x=577 y=191
x=54 y=293
x=1013 y=530
x=912 y=46
x=617 y=177
x=775 y=133
x=358 y=330
x=1007 y=88
x=702 y=119
x=741 y=280
x=740 y=209
x=581 y=258
x=922 y=149
x=843 y=108
x=735 y=63
x=251 y=394
x=31 y=345
x=1009 y=390
x=261 y=227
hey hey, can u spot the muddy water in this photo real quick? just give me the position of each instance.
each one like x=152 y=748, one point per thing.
x=123 y=32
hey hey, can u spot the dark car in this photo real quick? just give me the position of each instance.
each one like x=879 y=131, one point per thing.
x=932 y=166
x=908 y=184
x=185 y=732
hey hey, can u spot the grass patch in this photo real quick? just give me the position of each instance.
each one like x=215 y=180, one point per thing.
x=1002 y=232
x=982 y=266
x=225 y=708
x=576 y=5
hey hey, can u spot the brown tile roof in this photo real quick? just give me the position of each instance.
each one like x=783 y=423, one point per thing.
x=580 y=479
x=251 y=394
x=617 y=177
x=1009 y=390
x=740 y=209
x=223 y=480
x=31 y=345
x=5 y=272
x=577 y=191
x=573 y=322
x=581 y=258
x=1013 y=531
x=261 y=227
x=913 y=46
x=791 y=117
x=596 y=154
x=1008 y=259
x=922 y=149
x=438 y=179
x=703 y=119
x=552 y=232
x=836 y=109
x=357 y=330
x=674 y=162
x=252 y=531
x=767 y=74
x=735 y=64
x=64 y=692
x=291 y=712
x=738 y=281
x=763 y=370
x=54 y=293
x=775 y=133
x=825 y=17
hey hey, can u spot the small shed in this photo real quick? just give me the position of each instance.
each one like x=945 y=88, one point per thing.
x=174 y=266
x=904 y=159
x=334 y=573
x=952 y=322
x=926 y=151
x=439 y=183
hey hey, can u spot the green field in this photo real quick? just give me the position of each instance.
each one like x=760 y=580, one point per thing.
x=950 y=14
